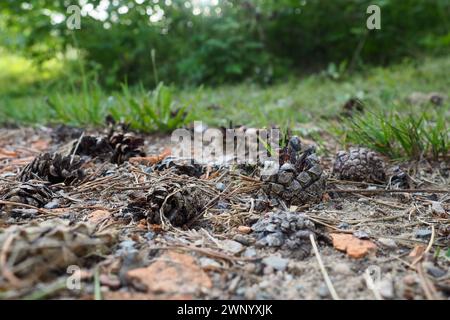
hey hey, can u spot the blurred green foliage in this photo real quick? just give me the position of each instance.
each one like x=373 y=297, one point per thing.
x=217 y=41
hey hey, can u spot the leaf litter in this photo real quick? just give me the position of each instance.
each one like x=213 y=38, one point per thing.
x=141 y=224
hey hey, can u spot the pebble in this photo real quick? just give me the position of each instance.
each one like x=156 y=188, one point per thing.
x=423 y=233
x=232 y=246
x=433 y=270
x=386 y=288
x=323 y=291
x=361 y=234
x=363 y=200
x=437 y=208
x=52 y=204
x=249 y=252
x=388 y=243
x=209 y=263
x=245 y=240
x=276 y=262
x=244 y=229
x=220 y=186
x=342 y=268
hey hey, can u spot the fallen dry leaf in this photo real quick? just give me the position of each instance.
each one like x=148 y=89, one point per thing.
x=417 y=252
x=40 y=145
x=7 y=154
x=151 y=160
x=354 y=247
x=172 y=273
x=98 y=215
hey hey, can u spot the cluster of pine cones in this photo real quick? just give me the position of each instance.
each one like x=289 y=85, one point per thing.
x=116 y=146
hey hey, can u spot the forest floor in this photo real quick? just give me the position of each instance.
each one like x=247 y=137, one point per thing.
x=87 y=242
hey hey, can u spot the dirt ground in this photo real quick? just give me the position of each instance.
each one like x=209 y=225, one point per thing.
x=92 y=240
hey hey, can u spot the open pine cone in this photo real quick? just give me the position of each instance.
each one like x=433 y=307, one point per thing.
x=181 y=207
x=125 y=146
x=54 y=168
x=300 y=179
x=286 y=230
x=359 y=164
x=117 y=146
x=33 y=192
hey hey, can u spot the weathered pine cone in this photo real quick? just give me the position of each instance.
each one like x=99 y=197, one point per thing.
x=300 y=179
x=33 y=192
x=286 y=230
x=92 y=146
x=125 y=146
x=179 y=209
x=54 y=168
x=359 y=164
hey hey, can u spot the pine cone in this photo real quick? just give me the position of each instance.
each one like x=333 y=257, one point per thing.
x=359 y=164
x=125 y=146
x=33 y=192
x=179 y=209
x=286 y=230
x=92 y=146
x=53 y=168
x=300 y=179
x=188 y=168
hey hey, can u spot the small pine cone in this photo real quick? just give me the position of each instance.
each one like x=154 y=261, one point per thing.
x=125 y=146
x=33 y=192
x=91 y=146
x=299 y=180
x=179 y=209
x=286 y=230
x=359 y=164
x=53 y=168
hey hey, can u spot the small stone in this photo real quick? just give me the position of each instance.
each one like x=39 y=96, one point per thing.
x=437 y=208
x=324 y=292
x=150 y=235
x=52 y=204
x=232 y=246
x=274 y=239
x=388 y=243
x=386 y=288
x=343 y=226
x=208 y=263
x=245 y=240
x=276 y=262
x=361 y=234
x=342 y=268
x=434 y=271
x=244 y=229
x=220 y=186
x=423 y=233
x=249 y=252
x=363 y=200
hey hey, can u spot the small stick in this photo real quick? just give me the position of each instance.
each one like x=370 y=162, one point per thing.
x=322 y=269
